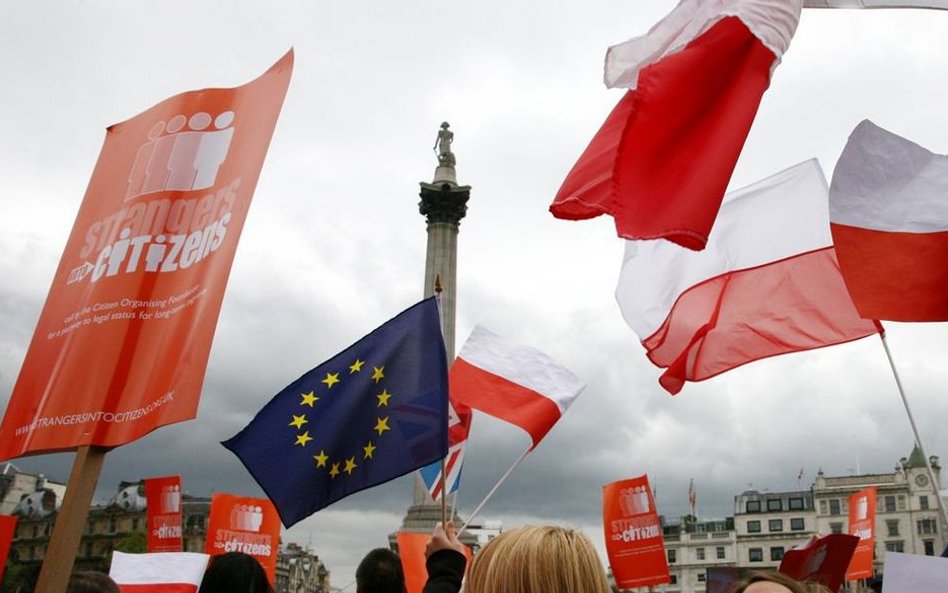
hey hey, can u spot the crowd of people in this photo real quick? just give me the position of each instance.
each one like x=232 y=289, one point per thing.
x=529 y=559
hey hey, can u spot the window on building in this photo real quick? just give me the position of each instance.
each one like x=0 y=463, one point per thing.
x=901 y=500
x=926 y=526
x=774 y=504
x=720 y=552
x=797 y=524
x=195 y=522
x=836 y=527
x=834 y=506
x=929 y=547
x=896 y=546
x=752 y=506
x=796 y=503
x=889 y=504
x=923 y=503
x=702 y=577
x=672 y=556
x=775 y=525
x=892 y=527
x=776 y=553
x=755 y=554
x=699 y=553
x=753 y=527
x=674 y=579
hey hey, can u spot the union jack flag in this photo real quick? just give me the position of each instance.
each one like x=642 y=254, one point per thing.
x=459 y=425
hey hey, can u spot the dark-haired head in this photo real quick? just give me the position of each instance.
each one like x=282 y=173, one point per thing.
x=380 y=572
x=235 y=572
x=90 y=581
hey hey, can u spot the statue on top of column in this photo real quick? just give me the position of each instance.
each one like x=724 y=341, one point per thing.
x=443 y=146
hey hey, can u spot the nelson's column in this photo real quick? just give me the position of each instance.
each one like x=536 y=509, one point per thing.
x=443 y=204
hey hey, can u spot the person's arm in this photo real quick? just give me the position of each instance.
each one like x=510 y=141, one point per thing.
x=445 y=561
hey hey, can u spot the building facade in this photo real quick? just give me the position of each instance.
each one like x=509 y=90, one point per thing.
x=22 y=490
x=691 y=547
x=908 y=517
x=766 y=524
x=121 y=524
x=298 y=570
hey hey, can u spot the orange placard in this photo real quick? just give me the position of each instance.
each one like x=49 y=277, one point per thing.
x=411 y=551
x=123 y=340
x=244 y=524
x=7 y=529
x=633 y=532
x=862 y=524
x=164 y=514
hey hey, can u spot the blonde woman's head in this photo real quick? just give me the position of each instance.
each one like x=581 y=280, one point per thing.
x=776 y=582
x=538 y=559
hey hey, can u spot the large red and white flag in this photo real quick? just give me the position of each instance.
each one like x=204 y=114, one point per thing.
x=163 y=572
x=767 y=284
x=889 y=218
x=515 y=383
x=662 y=160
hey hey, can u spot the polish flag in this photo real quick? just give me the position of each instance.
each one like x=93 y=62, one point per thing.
x=515 y=383
x=889 y=219
x=162 y=572
x=662 y=160
x=767 y=284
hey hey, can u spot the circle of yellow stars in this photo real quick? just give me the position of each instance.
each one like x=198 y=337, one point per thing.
x=322 y=460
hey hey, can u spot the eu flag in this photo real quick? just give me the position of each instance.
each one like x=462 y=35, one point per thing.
x=372 y=413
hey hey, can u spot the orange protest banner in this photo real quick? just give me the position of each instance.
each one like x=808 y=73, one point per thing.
x=123 y=340
x=244 y=524
x=411 y=551
x=164 y=514
x=634 y=540
x=7 y=529
x=862 y=524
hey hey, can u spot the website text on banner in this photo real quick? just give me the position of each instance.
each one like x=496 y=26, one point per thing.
x=122 y=344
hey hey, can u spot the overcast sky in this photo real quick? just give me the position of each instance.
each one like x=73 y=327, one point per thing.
x=334 y=244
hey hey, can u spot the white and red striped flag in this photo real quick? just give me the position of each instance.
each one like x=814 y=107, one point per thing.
x=767 y=284
x=515 y=383
x=160 y=572
x=661 y=162
x=889 y=218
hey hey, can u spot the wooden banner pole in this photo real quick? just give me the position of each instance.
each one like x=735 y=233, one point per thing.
x=67 y=532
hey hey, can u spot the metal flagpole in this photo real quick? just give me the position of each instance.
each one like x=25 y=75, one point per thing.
x=492 y=490
x=918 y=437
